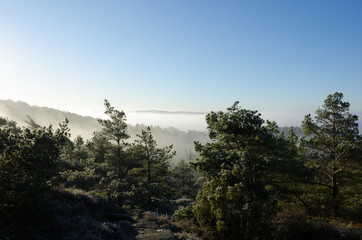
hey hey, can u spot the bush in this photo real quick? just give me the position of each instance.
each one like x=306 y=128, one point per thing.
x=183 y=213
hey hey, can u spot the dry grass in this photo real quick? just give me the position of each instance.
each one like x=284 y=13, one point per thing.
x=187 y=236
x=149 y=216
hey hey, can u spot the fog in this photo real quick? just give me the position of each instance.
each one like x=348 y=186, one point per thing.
x=178 y=128
x=186 y=121
x=182 y=121
x=167 y=129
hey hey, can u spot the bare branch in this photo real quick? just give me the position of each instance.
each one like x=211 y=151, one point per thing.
x=326 y=173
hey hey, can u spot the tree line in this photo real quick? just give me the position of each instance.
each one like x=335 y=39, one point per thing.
x=239 y=181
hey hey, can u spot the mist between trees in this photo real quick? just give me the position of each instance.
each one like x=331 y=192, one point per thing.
x=248 y=179
x=183 y=141
x=21 y=112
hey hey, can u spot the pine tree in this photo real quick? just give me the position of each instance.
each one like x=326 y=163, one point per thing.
x=234 y=202
x=115 y=131
x=185 y=180
x=153 y=170
x=332 y=149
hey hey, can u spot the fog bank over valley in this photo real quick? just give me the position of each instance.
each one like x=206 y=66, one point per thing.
x=181 y=120
x=168 y=129
x=180 y=128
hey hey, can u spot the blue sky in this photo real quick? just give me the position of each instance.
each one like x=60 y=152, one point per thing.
x=280 y=57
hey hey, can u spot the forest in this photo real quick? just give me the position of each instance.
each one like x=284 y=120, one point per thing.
x=249 y=180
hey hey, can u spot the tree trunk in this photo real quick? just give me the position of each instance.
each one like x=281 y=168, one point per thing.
x=119 y=158
x=120 y=201
x=149 y=177
x=120 y=197
x=335 y=191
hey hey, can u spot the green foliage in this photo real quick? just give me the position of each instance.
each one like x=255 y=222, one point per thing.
x=114 y=128
x=234 y=202
x=115 y=131
x=88 y=166
x=185 y=180
x=150 y=178
x=28 y=162
x=333 y=150
x=287 y=175
x=234 y=206
x=111 y=168
x=184 y=213
x=12 y=125
x=81 y=170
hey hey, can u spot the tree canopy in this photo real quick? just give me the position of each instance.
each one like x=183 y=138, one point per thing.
x=234 y=202
x=333 y=149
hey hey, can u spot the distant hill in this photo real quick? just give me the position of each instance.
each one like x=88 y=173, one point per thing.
x=182 y=141
x=19 y=112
